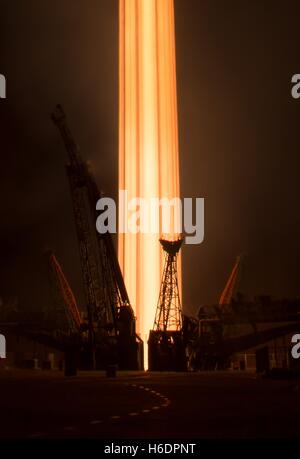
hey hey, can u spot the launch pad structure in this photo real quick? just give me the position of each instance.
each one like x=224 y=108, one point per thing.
x=110 y=319
x=166 y=349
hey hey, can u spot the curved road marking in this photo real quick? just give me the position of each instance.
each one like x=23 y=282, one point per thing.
x=163 y=398
x=163 y=402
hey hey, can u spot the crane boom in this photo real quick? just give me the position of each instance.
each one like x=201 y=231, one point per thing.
x=84 y=194
x=110 y=315
x=228 y=292
x=65 y=291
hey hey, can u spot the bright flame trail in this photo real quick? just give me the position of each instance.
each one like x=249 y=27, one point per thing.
x=148 y=139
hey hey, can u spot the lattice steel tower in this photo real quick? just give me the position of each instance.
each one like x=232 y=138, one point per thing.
x=166 y=349
x=168 y=315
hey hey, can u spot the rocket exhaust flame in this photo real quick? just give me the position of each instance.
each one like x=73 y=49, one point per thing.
x=148 y=139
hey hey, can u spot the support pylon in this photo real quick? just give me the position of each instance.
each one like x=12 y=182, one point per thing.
x=166 y=347
x=168 y=312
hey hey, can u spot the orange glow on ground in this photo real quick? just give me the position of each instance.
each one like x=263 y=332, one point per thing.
x=148 y=140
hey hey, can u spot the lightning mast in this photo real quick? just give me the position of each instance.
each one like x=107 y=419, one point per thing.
x=166 y=348
x=168 y=312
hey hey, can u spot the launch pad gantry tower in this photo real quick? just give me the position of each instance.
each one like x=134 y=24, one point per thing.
x=166 y=347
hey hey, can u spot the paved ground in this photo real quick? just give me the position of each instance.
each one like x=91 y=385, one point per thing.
x=141 y=405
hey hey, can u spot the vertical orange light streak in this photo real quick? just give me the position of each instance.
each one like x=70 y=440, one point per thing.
x=148 y=139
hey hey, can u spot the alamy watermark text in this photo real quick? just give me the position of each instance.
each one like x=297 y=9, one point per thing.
x=2 y=87
x=152 y=215
x=2 y=347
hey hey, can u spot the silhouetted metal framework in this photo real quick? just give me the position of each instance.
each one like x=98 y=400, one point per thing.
x=166 y=349
x=168 y=312
x=84 y=199
x=105 y=291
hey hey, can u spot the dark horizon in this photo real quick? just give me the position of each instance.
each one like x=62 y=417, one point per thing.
x=239 y=138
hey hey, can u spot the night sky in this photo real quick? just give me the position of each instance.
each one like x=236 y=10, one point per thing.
x=239 y=137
